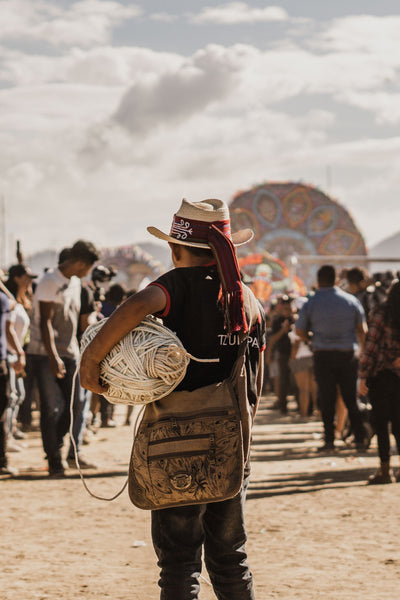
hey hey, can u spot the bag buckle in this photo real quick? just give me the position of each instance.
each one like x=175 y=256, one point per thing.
x=181 y=481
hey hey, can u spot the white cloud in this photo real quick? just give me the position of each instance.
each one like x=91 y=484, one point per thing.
x=373 y=35
x=234 y=13
x=83 y=24
x=164 y=17
x=206 y=77
x=106 y=140
x=362 y=55
x=103 y=65
x=385 y=105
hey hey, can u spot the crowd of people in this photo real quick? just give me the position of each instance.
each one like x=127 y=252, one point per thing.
x=41 y=322
x=339 y=343
x=336 y=351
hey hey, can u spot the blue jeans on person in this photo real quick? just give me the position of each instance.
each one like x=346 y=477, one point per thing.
x=17 y=395
x=333 y=369
x=55 y=398
x=179 y=535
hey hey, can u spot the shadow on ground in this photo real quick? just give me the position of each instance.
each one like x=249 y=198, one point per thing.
x=279 y=438
x=302 y=483
x=43 y=475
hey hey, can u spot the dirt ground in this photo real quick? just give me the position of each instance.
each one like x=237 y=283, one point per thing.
x=315 y=529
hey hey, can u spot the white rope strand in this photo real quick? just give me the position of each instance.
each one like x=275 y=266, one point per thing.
x=76 y=456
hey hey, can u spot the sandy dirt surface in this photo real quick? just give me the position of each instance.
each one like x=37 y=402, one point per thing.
x=316 y=531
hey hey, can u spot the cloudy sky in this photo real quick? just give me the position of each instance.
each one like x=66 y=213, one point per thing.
x=111 y=111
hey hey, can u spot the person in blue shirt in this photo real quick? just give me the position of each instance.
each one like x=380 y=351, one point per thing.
x=335 y=322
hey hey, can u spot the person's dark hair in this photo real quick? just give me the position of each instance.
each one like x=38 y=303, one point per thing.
x=64 y=255
x=200 y=252
x=356 y=275
x=326 y=276
x=12 y=286
x=116 y=294
x=392 y=306
x=84 y=251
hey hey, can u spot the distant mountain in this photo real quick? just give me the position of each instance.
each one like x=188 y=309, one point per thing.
x=44 y=259
x=387 y=248
x=160 y=252
x=390 y=246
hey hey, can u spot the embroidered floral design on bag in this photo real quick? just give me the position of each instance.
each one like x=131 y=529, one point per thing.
x=191 y=460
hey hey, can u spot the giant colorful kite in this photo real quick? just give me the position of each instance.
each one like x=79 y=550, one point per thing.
x=295 y=219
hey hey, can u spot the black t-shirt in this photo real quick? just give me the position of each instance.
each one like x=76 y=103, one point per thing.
x=283 y=345
x=87 y=306
x=368 y=302
x=87 y=300
x=192 y=312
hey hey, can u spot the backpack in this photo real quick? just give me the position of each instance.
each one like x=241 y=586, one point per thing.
x=191 y=447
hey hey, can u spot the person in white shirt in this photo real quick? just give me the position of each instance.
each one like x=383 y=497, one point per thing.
x=19 y=283
x=53 y=350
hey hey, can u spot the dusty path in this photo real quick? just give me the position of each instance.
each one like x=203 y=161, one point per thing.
x=316 y=531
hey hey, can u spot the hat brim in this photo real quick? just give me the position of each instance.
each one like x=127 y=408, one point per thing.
x=238 y=238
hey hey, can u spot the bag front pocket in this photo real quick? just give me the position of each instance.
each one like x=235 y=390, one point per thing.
x=179 y=446
x=195 y=460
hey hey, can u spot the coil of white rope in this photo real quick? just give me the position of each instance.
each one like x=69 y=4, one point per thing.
x=146 y=365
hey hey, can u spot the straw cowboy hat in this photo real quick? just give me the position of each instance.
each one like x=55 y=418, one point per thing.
x=191 y=224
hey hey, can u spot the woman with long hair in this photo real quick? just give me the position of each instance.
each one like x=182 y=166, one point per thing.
x=379 y=372
x=19 y=283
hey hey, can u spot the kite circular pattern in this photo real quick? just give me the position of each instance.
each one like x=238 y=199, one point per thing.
x=295 y=219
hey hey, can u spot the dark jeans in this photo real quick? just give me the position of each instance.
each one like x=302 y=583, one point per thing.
x=4 y=398
x=334 y=368
x=105 y=410
x=384 y=394
x=284 y=380
x=55 y=398
x=178 y=536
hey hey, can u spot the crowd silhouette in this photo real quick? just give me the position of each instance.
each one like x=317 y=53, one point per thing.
x=316 y=369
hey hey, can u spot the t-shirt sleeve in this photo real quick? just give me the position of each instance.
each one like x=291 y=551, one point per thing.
x=168 y=283
x=4 y=303
x=46 y=290
x=303 y=322
x=11 y=316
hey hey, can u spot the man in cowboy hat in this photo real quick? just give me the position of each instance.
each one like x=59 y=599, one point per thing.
x=201 y=299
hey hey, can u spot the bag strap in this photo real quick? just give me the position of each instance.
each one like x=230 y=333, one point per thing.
x=76 y=456
x=250 y=307
x=239 y=376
